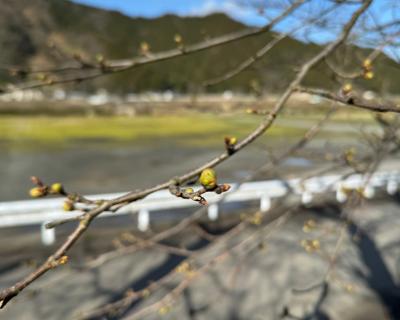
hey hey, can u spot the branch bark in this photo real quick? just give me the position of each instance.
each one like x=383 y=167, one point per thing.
x=9 y=293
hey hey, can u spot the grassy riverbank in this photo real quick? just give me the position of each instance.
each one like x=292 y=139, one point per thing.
x=191 y=128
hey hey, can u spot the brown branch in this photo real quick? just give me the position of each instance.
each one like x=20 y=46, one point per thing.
x=260 y=53
x=114 y=66
x=245 y=64
x=241 y=248
x=371 y=57
x=186 y=222
x=130 y=298
x=7 y=294
x=352 y=99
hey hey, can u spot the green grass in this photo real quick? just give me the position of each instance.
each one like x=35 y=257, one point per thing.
x=202 y=129
x=196 y=128
x=341 y=116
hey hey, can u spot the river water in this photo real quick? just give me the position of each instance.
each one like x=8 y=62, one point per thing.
x=96 y=167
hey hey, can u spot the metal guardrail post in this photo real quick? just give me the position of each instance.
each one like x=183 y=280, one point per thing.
x=265 y=203
x=38 y=212
x=392 y=187
x=48 y=236
x=143 y=220
x=369 y=192
x=213 y=212
x=306 y=197
x=341 y=195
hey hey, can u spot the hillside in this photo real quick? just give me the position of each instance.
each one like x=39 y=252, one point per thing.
x=29 y=28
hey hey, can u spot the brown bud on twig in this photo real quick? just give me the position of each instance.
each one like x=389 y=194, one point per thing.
x=199 y=199
x=42 y=77
x=55 y=263
x=100 y=58
x=347 y=89
x=230 y=143
x=368 y=75
x=38 y=192
x=367 y=64
x=68 y=205
x=77 y=57
x=349 y=156
x=57 y=188
x=63 y=260
x=179 y=41
x=208 y=179
x=37 y=181
x=144 y=48
x=222 y=188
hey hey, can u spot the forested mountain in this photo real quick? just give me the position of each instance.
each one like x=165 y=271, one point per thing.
x=49 y=32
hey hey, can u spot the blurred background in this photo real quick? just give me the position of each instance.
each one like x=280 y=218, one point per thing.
x=130 y=130
x=105 y=129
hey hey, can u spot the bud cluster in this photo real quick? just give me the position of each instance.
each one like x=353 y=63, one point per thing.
x=368 y=73
x=230 y=143
x=311 y=245
x=42 y=190
x=208 y=181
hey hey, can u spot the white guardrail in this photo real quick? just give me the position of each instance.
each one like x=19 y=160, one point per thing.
x=40 y=212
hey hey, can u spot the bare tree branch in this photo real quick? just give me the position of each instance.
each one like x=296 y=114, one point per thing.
x=57 y=258
x=352 y=99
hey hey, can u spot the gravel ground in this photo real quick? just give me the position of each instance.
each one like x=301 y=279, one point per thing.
x=365 y=284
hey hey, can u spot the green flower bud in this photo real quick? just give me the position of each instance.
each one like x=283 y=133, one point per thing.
x=189 y=190
x=99 y=58
x=208 y=179
x=68 y=206
x=37 y=192
x=178 y=38
x=56 y=188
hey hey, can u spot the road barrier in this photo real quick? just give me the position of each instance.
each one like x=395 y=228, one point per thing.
x=42 y=211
